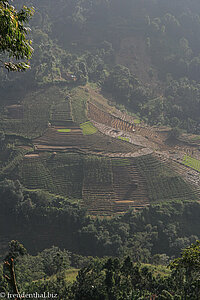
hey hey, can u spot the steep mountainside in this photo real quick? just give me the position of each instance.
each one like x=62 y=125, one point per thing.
x=100 y=151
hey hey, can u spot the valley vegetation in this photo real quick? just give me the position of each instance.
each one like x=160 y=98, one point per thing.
x=101 y=216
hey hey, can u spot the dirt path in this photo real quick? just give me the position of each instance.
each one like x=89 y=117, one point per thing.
x=134 y=138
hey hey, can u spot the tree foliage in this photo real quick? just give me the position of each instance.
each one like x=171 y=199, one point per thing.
x=13 y=38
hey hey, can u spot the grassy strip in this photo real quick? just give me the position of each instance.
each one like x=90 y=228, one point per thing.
x=191 y=162
x=120 y=162
x=78 y=102
x=137 y=121
x=64 y=130
x=88 y=128
x=123 y=138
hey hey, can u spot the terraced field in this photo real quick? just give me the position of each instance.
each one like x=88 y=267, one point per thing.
x=36 y=113
x=64 y=134
x=66 y=170
x=9 y=164
x=191 y=162
x=61 y=114
x=61 y=174
x=162 y=182
x=34 y=175
x=88 y=128
x=72 y=158
x=64 y=130
x=186 y=173
x=132 y=182
x=98 y=115
x=53 y=140
x=98 y=192
x=79 y=98
x=106 y=185
x=129 y=185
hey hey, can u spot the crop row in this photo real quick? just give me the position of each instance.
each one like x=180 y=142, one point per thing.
x=36 y=113
x=35 y=176
x=59 y=176
x=67 y=173
x=162 y=183
x=121 y=162
x=97 y=170
x=61 y=112
x=12 y=163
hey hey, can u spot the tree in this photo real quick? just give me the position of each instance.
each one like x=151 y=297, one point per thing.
x=11 y=194
x=15 y=250
x=186 y=272
x=174 y=133
x=55 y=260
x=13 y=39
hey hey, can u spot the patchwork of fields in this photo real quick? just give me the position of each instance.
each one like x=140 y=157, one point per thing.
x=70 y=157
x=104 y=186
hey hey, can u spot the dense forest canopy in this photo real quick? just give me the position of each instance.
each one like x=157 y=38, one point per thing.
x=145 y=54
x=108 y=278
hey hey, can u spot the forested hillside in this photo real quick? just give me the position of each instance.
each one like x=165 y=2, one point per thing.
x=145 y=54
x=100 y=151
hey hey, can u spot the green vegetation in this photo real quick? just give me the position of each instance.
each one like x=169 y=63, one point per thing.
x=71 y=274
x=64 y=130
x=167 y=50
x=69 y=174
x=79 y=99
x=12 y=153
x=123 y=138
x=145 y=235
x=137 y=121
x=121 y=162
x=62 y=174
x=196 y=138
x=162 y=183
x=192 y=163
x=144 y=55
x=14 y=40
x=97 y=170
x=36 y=113
x=14 y=158
x=34 y=175
x=88 y=128
x=102 y=143
x=61 y=114
x=112 y=278
x=157 y=270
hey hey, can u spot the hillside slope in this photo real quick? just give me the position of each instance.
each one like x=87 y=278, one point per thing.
x=107 y=159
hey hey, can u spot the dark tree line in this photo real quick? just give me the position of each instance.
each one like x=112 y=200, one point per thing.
x=40 y=219
x=101 y=279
